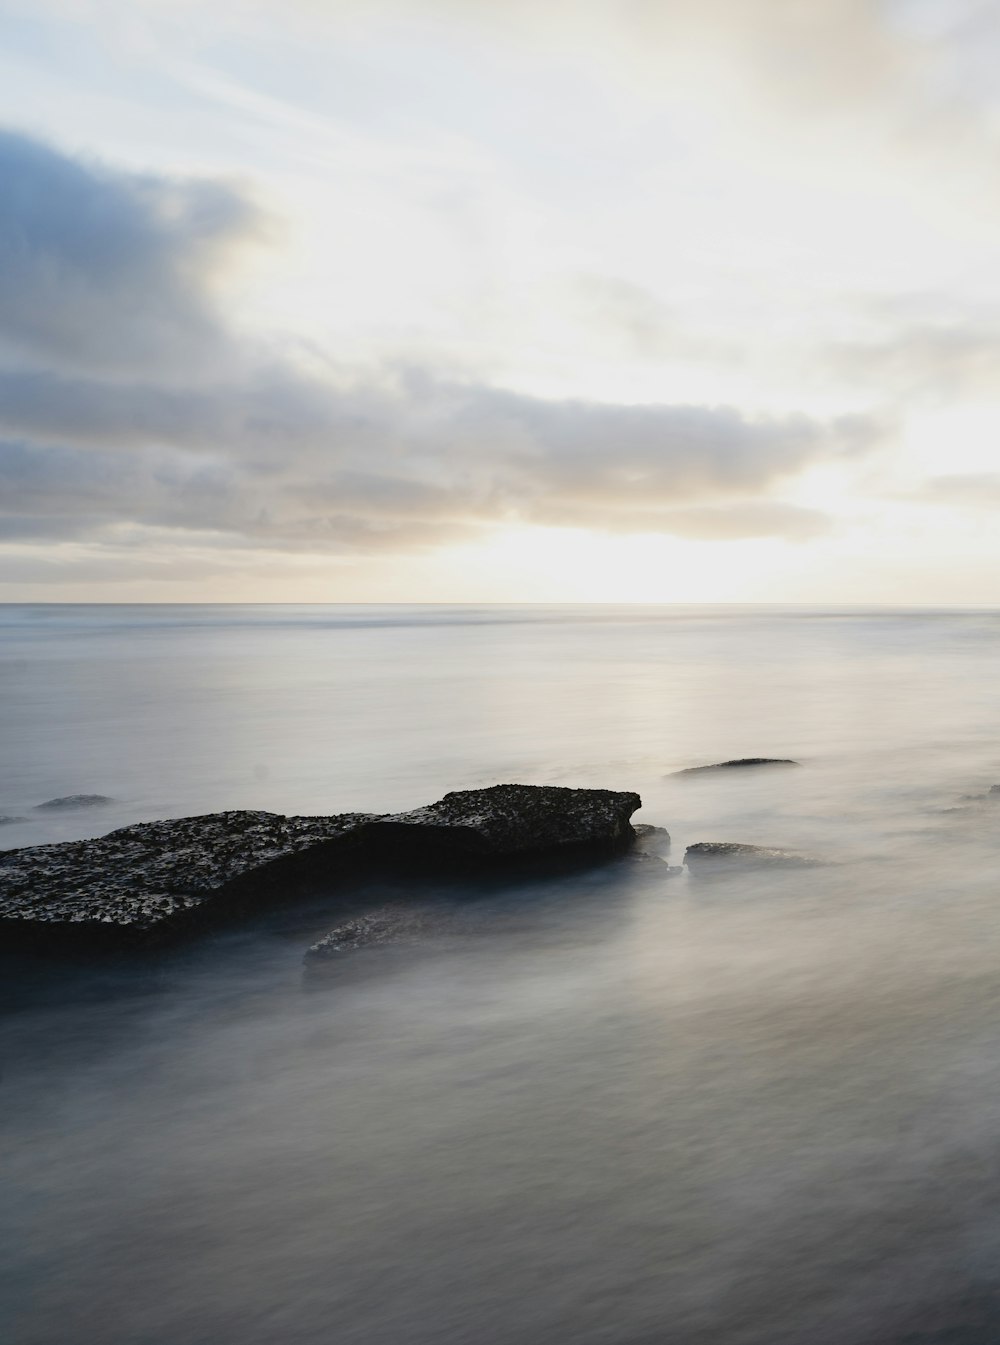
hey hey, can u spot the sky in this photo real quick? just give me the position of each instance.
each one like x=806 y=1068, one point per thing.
x=500 y=301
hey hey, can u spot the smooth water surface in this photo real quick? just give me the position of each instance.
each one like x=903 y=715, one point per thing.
x=612 y=1106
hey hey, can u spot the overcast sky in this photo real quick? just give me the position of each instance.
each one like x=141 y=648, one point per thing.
x=650 y=300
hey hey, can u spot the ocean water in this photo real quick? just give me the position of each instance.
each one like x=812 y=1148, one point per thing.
x=612 y=1106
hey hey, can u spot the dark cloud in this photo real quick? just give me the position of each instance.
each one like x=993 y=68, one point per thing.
x=416 y=469
x=106 y=289
x=263 y=410
x=100 y=268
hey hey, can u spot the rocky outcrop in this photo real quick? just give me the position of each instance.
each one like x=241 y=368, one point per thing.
x=73 y=801
x=716 y=854
x=143 y=881
x=738 y=764
x=146 y=881
x=510 y=821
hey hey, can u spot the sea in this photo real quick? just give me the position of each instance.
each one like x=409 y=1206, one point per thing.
x=613 y=1105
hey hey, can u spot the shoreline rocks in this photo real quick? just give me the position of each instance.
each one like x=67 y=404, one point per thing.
x=143 y=883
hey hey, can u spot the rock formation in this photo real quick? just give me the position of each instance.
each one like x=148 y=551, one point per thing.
x=507 y=821
x=143 y=882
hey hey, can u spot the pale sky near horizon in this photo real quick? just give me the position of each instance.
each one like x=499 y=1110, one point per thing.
x=459 y=300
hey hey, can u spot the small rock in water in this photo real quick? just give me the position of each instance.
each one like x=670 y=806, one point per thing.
x=710 y=853
x=652 y=846
x=650 y=842
x=645 y=832
x=74 y=801
x=738 y=763
x=388 y=925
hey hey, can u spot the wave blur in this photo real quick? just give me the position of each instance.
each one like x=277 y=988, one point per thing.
x=597 y=1107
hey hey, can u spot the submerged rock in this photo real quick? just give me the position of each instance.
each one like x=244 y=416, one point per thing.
x=738 y=763
x=652 y=844
x=716 y=853
x=647 y=835
x=390 y=924
x=147 y=880
x=74 y=801
x=968 y=802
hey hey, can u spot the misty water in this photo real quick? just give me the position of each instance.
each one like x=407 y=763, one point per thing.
x=605 y=1105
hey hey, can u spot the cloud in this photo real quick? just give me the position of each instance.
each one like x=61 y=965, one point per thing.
x=975 y=489
x=106 y=269
x=809 y=51
x=932 y=360
x=733 y=522
x=431 y=463
x=107 y=289
x=266 y=408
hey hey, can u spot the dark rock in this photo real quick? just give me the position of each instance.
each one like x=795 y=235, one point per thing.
x=739 y=763
x=145 y=880
x=4 y=819
x=508 y=821
x=730 y=853
x=74 y=801
x=646 y=834
x=651 y=843
x=148 y=880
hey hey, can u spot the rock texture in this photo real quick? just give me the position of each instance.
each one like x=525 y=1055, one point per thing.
x=648 y=835
x=73 y=801
x=508 y=821
x=145 y=881
x=707 y=854
x=737 y=764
